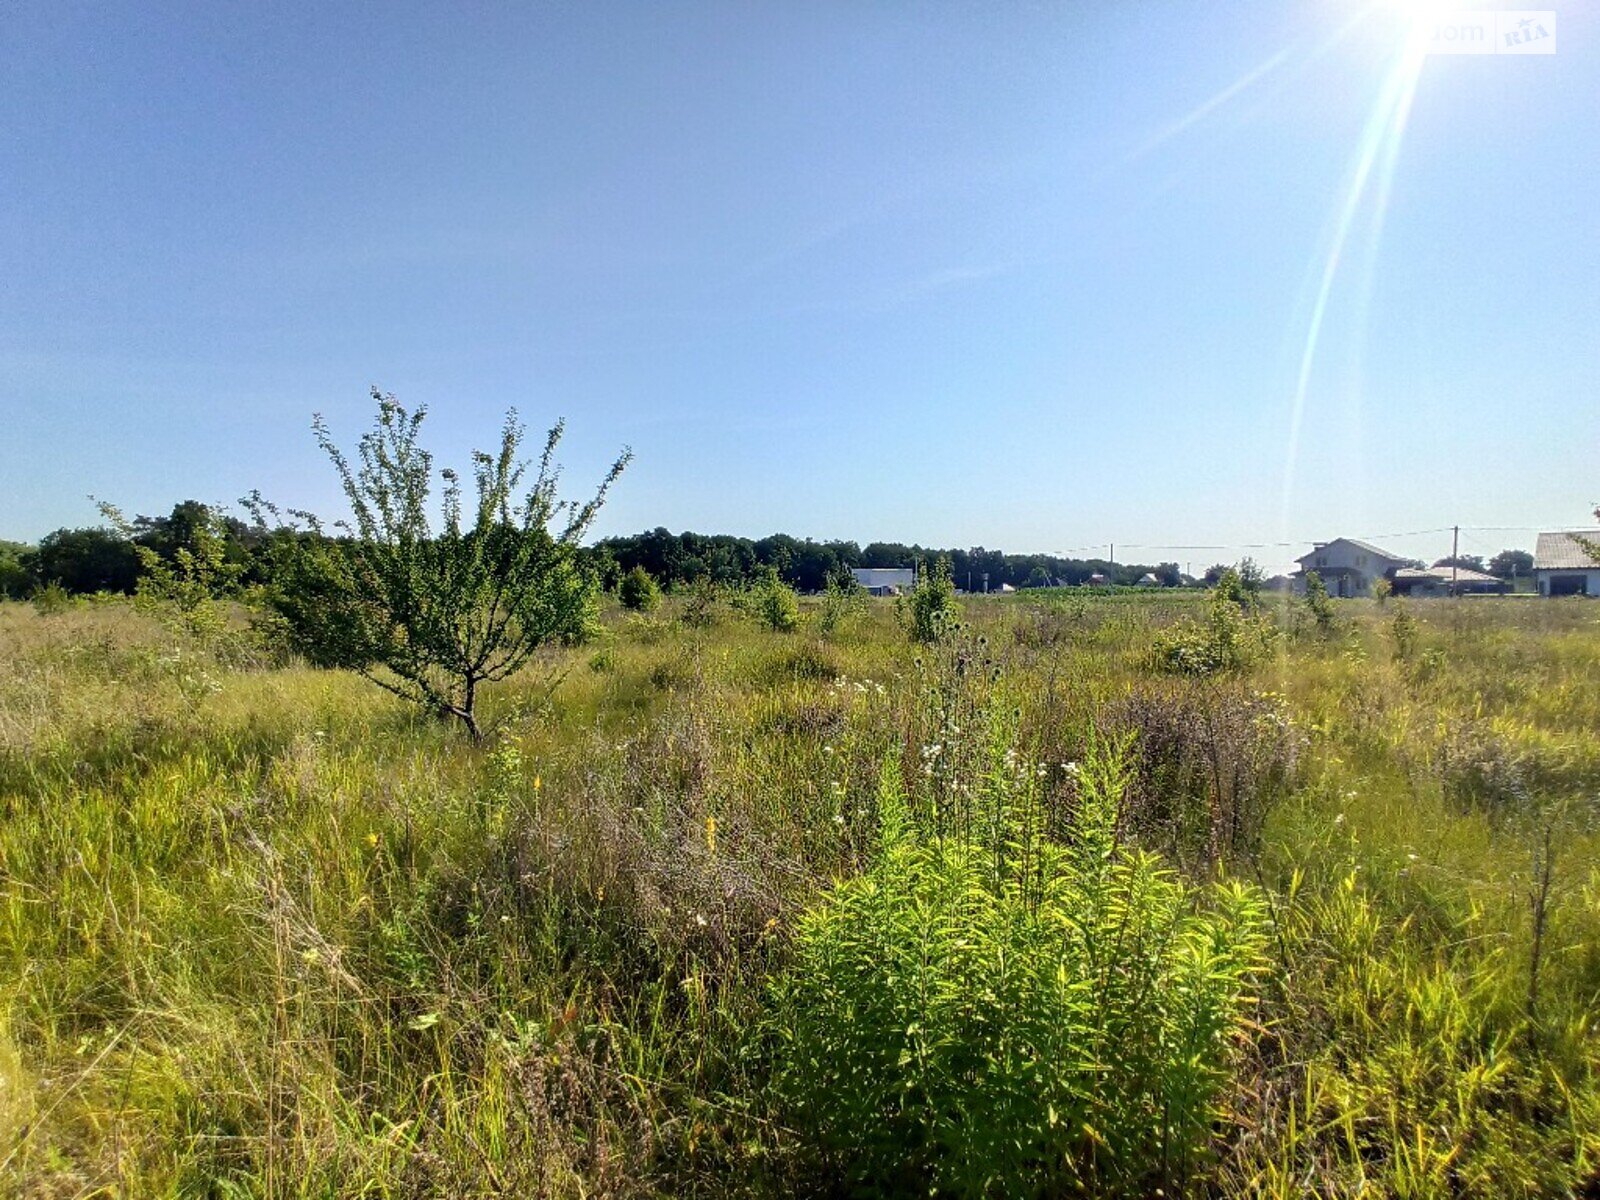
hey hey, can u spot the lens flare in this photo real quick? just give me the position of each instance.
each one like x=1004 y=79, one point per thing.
x=1371 y=174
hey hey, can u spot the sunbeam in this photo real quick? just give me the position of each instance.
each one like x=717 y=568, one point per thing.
x=1373 y=167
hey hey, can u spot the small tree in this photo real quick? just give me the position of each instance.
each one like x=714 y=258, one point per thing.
x=638 y=591
x=1319 y=605
x=186 y=583
x=931 y=608
x=843 y=600
x=775 y=602
x=433 y=616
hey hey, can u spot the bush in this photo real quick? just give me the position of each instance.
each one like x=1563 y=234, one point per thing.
x=1006 y=1015
x=50 y=599
x=638 y=591
x=776 y=605
x=1320 y=606
x=700 y=604
x=842 y=602
x=930 y=610
x=1403 y=633
x=1211 y=764
x=1233 y=637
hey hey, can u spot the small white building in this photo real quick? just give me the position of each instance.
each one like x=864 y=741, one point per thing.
x=885 y=581
x=1346 y=567
x=1564 y=566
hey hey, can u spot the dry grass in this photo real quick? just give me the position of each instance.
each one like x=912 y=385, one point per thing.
x=266 y=932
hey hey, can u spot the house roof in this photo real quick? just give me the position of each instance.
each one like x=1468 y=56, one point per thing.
x=1563 y=551
x=1358 y=544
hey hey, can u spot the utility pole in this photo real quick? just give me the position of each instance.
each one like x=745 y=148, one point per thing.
x=1455 y=553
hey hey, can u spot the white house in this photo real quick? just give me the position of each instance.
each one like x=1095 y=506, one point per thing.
x=1564 y=566
x=1347 y=567
x=885 y=581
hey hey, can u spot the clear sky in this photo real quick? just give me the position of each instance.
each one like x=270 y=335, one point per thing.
x=1036 y=276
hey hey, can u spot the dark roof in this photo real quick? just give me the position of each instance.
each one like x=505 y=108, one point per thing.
x=1442 y=574
x=1563 y=551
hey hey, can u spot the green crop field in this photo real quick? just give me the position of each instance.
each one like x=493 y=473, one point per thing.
x=1091 y=895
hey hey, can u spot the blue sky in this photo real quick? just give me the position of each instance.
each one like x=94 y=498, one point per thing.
x=1031 y=276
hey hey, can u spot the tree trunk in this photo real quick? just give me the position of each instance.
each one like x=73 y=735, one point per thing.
x=466 y=711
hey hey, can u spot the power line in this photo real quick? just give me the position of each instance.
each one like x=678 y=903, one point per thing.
x=1308 y=541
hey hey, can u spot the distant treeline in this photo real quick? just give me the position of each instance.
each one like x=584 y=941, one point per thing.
x=96 y=559
x=90 y=560
x=678 y=558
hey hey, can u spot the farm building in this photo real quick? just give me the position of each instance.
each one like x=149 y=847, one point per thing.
x=1564 y=565
x=1347 y=567
x=885 y=581
x=1442 y=581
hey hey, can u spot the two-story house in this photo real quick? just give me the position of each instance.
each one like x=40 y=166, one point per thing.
x=1347 y=567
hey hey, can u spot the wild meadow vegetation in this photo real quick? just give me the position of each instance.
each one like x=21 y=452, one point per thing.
x=1072 y=895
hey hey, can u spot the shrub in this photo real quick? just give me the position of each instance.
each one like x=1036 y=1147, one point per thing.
x=184 y=590
x=843 y=601
x=1320 y=606
x=1403 y=633
x=930 y=610
x=1233 y=637
x=700 y=604
x=1006 y=1015
x=638 y=591
x=776 y=605
x=1211 y=764
x=50 y=599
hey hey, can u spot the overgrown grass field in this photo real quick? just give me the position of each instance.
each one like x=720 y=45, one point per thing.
x=1043 y=907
